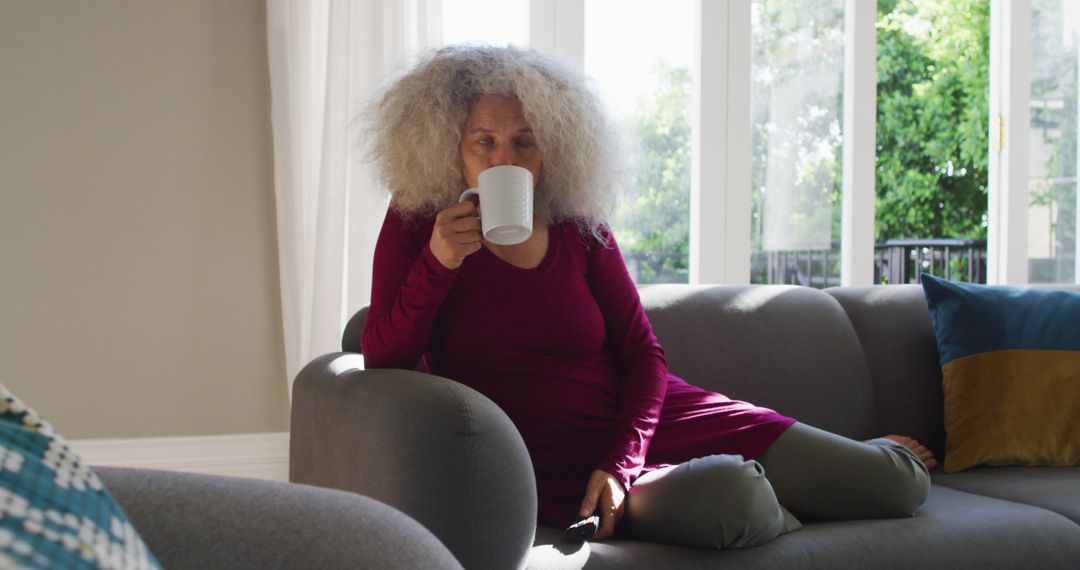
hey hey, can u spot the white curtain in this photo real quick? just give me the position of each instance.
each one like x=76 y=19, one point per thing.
x=327 y=58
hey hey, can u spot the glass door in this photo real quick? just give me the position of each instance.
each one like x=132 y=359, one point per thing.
x=797 y=69
x=1052 y=150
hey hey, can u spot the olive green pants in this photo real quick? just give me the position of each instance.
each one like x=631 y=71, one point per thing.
x=722 y=501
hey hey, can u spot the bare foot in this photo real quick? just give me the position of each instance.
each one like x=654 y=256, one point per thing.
x=920 y=450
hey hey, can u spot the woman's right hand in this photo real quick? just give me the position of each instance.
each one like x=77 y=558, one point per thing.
x=456 y=234
x=605 y=494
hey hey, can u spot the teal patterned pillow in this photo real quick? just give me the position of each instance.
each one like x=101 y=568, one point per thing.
x=54 y=511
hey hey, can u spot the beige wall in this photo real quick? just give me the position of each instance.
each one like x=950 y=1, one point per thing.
x=138 y=271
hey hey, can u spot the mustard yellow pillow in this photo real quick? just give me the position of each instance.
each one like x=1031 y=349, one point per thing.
x=1010 y=362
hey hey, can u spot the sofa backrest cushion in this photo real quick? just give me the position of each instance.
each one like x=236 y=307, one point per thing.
x=894 y=328
x=789 y=348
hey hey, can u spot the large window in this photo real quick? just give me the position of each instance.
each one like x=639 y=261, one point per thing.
x=797 y=104
x=1053 y=141
x=776 y=85
x=640 y=54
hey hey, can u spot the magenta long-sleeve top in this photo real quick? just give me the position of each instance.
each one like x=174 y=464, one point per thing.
x=565 y=349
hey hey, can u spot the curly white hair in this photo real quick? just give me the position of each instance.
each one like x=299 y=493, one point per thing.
x=415 y=128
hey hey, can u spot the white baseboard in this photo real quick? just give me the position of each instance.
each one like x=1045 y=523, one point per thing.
x=257 y=455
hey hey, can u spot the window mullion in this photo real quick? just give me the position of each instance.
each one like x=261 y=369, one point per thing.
x=860 y=119
x=558 y=27
x=720 y=192
x=1010 y=120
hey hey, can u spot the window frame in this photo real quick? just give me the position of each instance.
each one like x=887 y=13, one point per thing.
x=720 y=225
x=1010 y=119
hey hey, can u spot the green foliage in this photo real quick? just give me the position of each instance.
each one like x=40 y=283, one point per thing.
x=653 y=222
x=932 y=130
x=932 y=113
x=797 y=74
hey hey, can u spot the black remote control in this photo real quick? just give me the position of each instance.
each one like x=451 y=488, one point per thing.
x=583 y=530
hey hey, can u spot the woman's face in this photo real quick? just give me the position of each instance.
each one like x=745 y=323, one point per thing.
x=496 y=133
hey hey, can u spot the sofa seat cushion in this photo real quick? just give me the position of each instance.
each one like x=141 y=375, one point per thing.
x=953 y=529
x=1053 y=488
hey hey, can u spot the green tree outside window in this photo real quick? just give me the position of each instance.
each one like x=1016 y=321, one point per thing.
x=932 y=141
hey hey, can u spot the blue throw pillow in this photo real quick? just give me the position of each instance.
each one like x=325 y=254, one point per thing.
x=1010 y=360
x=54 y=511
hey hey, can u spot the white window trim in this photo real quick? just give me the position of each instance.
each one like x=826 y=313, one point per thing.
x=721 y=134
x=860 y=147
x=1010 y=94
x=558 y=27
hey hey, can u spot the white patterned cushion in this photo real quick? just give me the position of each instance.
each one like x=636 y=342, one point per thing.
x=54 y=511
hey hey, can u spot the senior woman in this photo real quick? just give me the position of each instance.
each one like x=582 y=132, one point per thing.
x=552 y=329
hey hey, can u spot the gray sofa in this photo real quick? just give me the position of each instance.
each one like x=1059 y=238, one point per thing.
x=207 y=522
x=861 y=362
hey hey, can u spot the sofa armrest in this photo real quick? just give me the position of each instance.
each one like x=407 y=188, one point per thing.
x=210 y=521
x=435 y=449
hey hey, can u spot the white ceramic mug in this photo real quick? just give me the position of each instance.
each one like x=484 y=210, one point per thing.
x=506 y=203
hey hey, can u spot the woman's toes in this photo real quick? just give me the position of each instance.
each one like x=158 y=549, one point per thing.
x=921 y=451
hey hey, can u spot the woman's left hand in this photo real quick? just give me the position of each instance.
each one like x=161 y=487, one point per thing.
x=604 y=494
